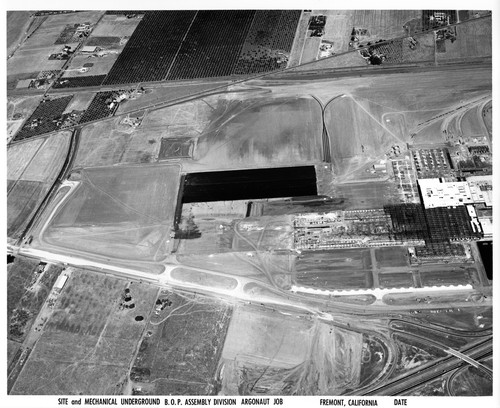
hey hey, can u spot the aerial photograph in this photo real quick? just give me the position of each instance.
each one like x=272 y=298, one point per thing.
x=246 y=207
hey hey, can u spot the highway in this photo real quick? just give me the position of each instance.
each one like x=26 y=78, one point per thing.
x=437 y=369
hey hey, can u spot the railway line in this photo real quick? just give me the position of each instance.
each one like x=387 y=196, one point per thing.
x=63 y=174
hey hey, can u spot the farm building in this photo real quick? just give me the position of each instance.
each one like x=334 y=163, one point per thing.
x=60 y=282
x=88 y=49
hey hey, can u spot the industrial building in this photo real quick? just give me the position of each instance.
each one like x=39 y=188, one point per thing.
x=438 y=193
x=481 y=188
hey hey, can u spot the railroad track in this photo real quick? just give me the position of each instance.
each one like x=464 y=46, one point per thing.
x=63 y=173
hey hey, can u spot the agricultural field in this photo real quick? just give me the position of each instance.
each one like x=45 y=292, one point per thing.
x=110 y=35
x=19 y=21
x=18 y=110
x=99 y=108
x=180 y=353
x=205 y=44
x=212 y=44
x=94 y=333
x=107 y=213
x=270 y=353
x=32 y=168
x=379 y=25
x=45 y=118
x=32 y=56
x=473 y=40
x=134 y=65
x=269 y=41
x=340 y=269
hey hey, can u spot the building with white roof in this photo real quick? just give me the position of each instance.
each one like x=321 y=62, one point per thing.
x=439 y=193
x=481 y=188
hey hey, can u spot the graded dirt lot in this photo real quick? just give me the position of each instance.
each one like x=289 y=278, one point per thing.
x=354 y=130
x=391 y=257
x=180 y=353
x=267 y=352
x=261 y=133
x=364 y=195
x=336 y=269
x=231 y=130
x=266 y=338
x=32 y=167
x=108 y=214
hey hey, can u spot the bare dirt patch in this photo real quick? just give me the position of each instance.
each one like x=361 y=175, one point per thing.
x=124 y=213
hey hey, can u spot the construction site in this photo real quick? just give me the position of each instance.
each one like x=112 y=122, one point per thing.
x=250 y=202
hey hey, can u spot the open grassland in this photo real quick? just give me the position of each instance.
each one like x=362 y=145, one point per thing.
x=20 y=274
x=31 y=170
x=275 y=354
x=181 y=351
x=165 y=93
x=109 y=214
x=106 y=143
x=89 y=340
x=17 y=25
x=28 y=288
